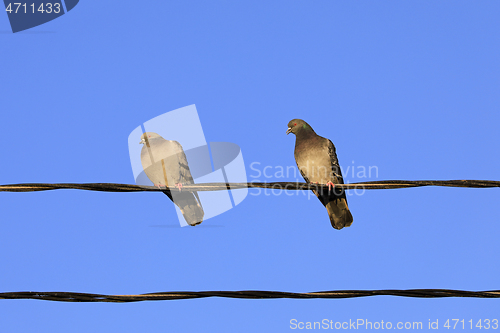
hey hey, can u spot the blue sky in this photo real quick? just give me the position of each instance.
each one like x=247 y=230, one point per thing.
x=411 y=87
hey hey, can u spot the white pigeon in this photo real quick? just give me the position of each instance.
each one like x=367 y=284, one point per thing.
x=165 y=164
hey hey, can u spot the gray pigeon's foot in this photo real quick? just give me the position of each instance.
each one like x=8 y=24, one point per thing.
x=330 y=186
x=179 y=186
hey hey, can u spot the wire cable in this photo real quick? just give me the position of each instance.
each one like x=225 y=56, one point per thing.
x=245 y=294
x=373 y=185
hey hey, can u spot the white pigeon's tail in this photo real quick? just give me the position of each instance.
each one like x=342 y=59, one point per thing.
x=189 y=206
x=191 y=210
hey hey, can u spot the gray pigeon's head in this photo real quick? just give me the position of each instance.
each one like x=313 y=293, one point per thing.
x=148 y=136
x=297 y=125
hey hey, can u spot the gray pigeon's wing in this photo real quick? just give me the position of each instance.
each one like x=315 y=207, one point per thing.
x=336 y=203
x=335 y=166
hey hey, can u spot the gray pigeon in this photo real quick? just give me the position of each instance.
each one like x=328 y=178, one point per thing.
x=165 y=164
x=317 y=162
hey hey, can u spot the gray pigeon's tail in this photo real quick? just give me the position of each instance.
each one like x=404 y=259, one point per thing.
x=190 y=208
x=339 y=213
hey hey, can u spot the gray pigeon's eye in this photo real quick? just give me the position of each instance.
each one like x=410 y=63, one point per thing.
x=295 y=124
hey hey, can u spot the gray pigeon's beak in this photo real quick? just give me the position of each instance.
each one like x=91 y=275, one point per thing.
x=289 y=130
x=142 y=142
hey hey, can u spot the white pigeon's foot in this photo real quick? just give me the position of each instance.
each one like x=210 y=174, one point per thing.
x=179 y=186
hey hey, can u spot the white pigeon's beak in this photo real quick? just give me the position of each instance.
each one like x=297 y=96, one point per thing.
x=289 y=130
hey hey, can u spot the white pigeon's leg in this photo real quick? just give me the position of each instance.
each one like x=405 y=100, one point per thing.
x=313 y=184
x=179 y=186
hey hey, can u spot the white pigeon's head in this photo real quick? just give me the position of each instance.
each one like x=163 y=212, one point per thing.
x=148 y=136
